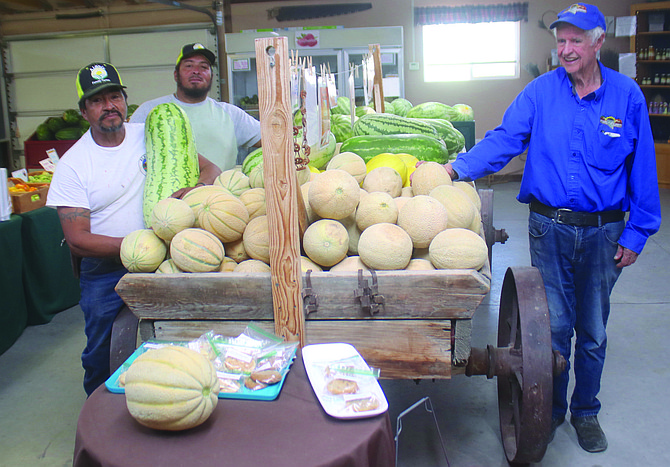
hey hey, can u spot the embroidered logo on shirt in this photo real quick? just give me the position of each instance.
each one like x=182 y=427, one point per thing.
x=611 y=122
x=576 y=7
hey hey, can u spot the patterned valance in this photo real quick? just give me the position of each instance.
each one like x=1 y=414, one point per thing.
x=471 y=14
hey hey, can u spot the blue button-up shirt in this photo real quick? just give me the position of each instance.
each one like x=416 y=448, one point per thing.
x=590 y=154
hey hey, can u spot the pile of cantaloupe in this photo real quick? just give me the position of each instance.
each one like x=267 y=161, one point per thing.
x=387 y=214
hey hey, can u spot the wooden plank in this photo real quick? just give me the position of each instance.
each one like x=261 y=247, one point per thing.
x=378 y=86
x=439 y=294
x=402 y=349
x=281 y=184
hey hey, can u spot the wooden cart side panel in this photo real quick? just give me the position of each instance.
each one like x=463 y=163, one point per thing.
x=441 y=294
x=401 y=349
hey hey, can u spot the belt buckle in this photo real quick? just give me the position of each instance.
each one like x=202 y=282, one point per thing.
x=560 y=211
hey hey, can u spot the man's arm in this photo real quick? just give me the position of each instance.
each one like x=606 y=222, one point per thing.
x=76 y=224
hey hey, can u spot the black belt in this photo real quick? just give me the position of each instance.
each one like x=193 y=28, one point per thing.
x=577 y=218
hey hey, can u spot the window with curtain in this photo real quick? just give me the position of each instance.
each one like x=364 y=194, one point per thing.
x=471 y=42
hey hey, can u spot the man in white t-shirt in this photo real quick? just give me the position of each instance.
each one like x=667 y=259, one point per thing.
x=220 y=129
x=98 y=189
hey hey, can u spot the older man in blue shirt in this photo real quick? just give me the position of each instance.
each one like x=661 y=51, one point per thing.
x=590 y=159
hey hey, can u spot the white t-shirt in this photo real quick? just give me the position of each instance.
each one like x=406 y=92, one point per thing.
x=219 y=128
x=107 y=181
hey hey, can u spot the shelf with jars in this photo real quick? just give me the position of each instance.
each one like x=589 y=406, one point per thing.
x=651 y=44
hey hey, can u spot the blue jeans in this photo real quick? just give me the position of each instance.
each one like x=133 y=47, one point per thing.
x=578 y=270
x=100 y=304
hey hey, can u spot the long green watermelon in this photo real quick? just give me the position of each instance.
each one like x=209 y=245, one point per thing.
x=429 y=110
x=423 y=147
x=340 y=125
x=452 y=137
x=389 y=124
x=172 y=160
x=401 y=106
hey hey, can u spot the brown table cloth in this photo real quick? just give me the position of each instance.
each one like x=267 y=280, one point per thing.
x=291 y=431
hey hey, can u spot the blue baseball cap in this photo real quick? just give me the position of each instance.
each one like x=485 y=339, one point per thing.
x=582 y=15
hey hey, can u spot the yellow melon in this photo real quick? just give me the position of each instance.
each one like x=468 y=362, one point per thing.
x=384 y=179
x=234 y=181
x=252 y=265
x=227 y=265
x=385 y=246
x=427 y=176
x=389 y=160
x=307 y=264
x=458 y=249
x=422 y=218
x=351 y=163
x=350 y=263
x=460 y=210
x=198 y=195
x=334 y=194
x=142 y=251
x=410 y=162
x=197 y=250
x=326 y=242
x=471 y=191
x=254 y=200
x=168 y=267
x=169 y=216
x=224 y=215
x=256 y=239
x=236 y=251
x=419 y=264
x=375 y=208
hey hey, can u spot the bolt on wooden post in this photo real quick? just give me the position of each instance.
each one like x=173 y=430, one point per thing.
x=281 y=186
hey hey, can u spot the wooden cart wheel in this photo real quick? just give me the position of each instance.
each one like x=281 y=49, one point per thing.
x=525 y=393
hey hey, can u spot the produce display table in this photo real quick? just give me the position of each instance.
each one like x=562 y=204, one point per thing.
x=49 y=284
x=13 y=313
x=292 y=430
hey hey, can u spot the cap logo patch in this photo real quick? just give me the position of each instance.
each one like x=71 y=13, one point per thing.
x=98 y=73
x=198 y=46
x=576 y=8
x=611 y=122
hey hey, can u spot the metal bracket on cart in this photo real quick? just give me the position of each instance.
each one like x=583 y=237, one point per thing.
x=369 y=296
x=310 y=300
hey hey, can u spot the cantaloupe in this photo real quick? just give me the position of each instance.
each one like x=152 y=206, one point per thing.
x=419 y=264
x=389 y=160
x=224 y=215
x=169 y=216
x=383 y=179
x=375 y=208
x=311 y=215
x=234 y=181
x=198 y=195
x=350 y=263
x=458 y=249
x=471 y=191
x=227 y=265
x=407 y=192
x=334 y=194
x=252 y=265
x=307 y=264
x=171 y=388
x=427 y=176
x=326 y=242
x=476 y=225
x=254 y=200
x=423 y=217
x=236 y=251
x=142 y=251
x=168 y=267
x=410 y=162
x=401 y=201
x=256 y=239
x=460 y=210
x=351 y=163
x=197 y=250
x=303 y=176
x=385 y=246
x=256 y=179
x=353 y=231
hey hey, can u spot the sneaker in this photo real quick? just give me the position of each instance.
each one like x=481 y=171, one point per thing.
x=555 y=423
x=589 y=434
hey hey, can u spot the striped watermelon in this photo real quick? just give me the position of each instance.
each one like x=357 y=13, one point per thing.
x=389 y=124
x=401 y=106
x=453 y=138
x=340 y=125
x=423 y=147
x=172 y=160
x=429 y=110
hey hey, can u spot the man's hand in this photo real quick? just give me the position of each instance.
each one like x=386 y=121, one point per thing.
x=450 y=170
x=624 y=257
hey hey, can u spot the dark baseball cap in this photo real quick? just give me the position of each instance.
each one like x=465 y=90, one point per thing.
x=95 y=77
x=193 y=49
x=582 y=15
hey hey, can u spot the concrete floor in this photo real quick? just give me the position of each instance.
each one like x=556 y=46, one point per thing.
x=41 y=392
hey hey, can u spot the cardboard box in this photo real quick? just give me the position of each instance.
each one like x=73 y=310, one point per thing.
x=24 y=202
x=34 y=151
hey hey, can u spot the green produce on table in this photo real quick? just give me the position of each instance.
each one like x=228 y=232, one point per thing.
x=69 y=133
x=43 y=133
x=363 y=109
x=452 y=137
x=131 y=108
x=423 y=147
x=41 y=177
x=429 y=110
x=401 y=106
x=55 y=124
x=340 y=125
x=461 y=113
x=389 y=124
x=343 y=106
x=72 y=117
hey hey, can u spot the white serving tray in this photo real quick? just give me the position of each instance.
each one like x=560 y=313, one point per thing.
x=315 y=357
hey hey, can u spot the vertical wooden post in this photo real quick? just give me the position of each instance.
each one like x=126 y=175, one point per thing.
x=378 y=86
x=274 y=104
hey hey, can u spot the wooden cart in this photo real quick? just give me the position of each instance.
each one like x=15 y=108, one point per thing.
x=410 y=324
